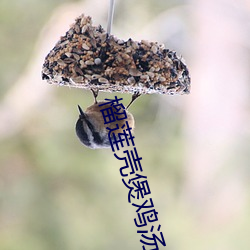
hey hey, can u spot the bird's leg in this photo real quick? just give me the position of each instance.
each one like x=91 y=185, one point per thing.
x=95 y=94
x=134 y=97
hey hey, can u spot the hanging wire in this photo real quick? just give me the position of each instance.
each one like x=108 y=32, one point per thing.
x=110 y=16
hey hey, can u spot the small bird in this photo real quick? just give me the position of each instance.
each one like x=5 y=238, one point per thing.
x=90 y=127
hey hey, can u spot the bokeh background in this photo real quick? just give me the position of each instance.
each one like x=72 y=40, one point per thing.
x=57 y=194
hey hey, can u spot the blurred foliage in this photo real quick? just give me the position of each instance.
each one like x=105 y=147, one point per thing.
x=56 y=194
x=20 y=24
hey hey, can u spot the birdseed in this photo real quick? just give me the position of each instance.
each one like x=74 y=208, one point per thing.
x=87 y=57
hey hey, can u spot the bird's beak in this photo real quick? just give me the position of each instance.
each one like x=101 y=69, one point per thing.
x=82 y=115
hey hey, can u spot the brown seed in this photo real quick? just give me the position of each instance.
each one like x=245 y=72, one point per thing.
x=77 y=79
x=90 y=52
x=103 y=37
x=82 y=63
x=78 y=70
x=64 y=43
x=88 y=77
x=78 y=51
x=154 y=49
x=120 y=42
x=150 y=74
x=103 y=80
x=61 y=62
x=134 y=72
x=144 y=78
x=68 y=54
x=88 y=62
x=71 y=32
x=126 y=56
x=93 y=42
x=84 y=29
x=77 y=57
x=128 y=50
x=135 y=45
x=145 y=42
x=95 y=76
x=69 y=60
x=131 y=80
x=77 y=29
x=119 y=58
x=85 y=46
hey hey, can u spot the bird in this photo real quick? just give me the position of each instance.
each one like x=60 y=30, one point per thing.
x=90 y=127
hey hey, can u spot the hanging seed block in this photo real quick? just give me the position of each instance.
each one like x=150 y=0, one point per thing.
x=87 y=57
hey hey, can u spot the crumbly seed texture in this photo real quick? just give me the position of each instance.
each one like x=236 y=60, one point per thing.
x=87 y=57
